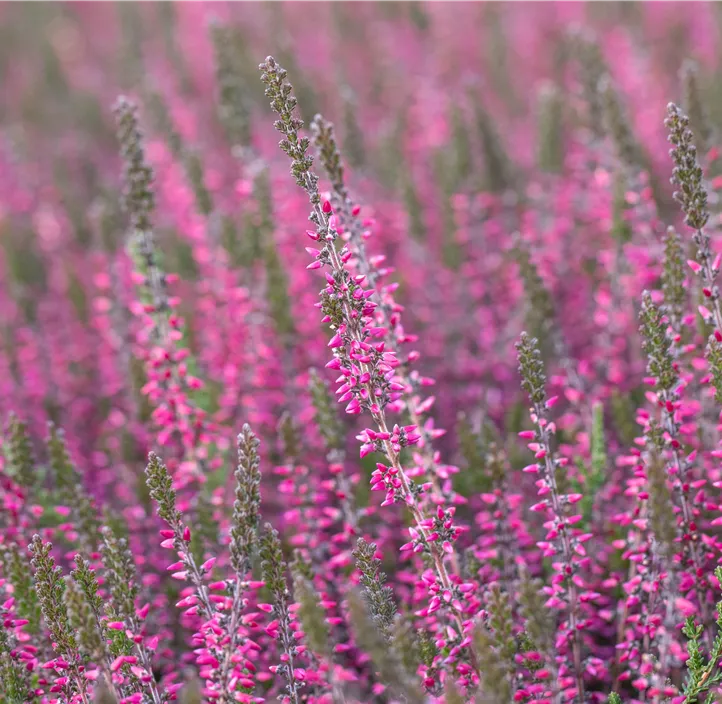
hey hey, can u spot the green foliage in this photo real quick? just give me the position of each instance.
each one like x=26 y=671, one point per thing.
x=687 y=173
x=378 y=597
x=326 y=413
x=498 y=173
x=273 y=565
x=695 y=106
x=621 y=229
x=714 y=359
x=531 y=369
x=81 y=616
x=311 y=615
x=21 y=465
x=246 y=507
x=594 y=474
x=233 y=107
x=120 y=576
x=550 y=130
x=673 y=275
x=539 y=311
x=618 y=125
x=50 y=587
x=160 y=485
x=657 y=345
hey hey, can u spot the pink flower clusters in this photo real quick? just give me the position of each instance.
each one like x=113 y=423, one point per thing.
x=435 y=418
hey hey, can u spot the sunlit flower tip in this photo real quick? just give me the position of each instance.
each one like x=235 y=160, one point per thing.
x=186 y=534
x=694 y=266
x=336 y=341
x=116 y=625
x=327 y=206
x=312 y=234
x=315 y=264
x=527 y=434
x=531 y=469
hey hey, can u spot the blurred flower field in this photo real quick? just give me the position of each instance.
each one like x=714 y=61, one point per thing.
x=360 y=353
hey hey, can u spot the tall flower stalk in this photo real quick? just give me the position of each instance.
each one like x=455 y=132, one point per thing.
x=561 y=542
x=367 y=368
x=351 y=228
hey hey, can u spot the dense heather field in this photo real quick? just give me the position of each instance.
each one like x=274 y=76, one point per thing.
x=436 y=417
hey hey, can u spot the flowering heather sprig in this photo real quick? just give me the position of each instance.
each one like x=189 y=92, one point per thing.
x=243 y=547
x=560 y=539
x=388 y=313
x=215 y=657
x=160 y=486
x=274 y=575
x=644 y=633
x=663 y=371
x=169 y=384
x=692 y=197
x=19 y=453
x=366 y=368
x=50 y=586
x=122 y=581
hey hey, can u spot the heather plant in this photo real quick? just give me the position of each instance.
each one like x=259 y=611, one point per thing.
x=434 y=419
